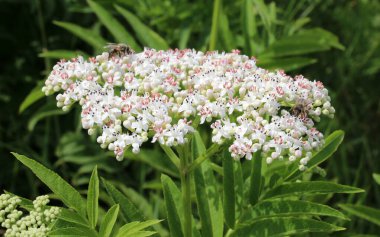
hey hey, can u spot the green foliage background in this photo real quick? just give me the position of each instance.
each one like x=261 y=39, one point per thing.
x=336 y=42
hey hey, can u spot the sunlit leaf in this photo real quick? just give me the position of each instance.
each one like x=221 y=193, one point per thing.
x=92 y=198
x=35 y=95
x=147 y=36
x=117 y=30
x=89 y=36
x=109 y=221
x=332 y=143
x=67 y=194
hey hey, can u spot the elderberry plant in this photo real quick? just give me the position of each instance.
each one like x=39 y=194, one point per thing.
x=170 y=97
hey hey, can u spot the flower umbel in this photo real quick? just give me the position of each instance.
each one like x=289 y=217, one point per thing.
x=36 y=224
x=127 y=99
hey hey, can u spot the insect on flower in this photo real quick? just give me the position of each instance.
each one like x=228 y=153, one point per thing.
x=301 y=108
x=119 y=50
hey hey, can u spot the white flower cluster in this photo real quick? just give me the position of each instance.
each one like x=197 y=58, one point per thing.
x=36 y=224
x=166 y=94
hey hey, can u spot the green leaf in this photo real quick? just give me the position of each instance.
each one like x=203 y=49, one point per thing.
x=225 y=32
x=283 y=226
x=62 y=54
x=310 y=187
x=73 y=231
x=215 y=24
x=239 y=188
x=228 y=190
x=170 y=189
x=287 y=64
x=160 y=161
x=44 y=112
x=256 y=178
x=67 y=194
x=73 y=217
x=89 y=36
x=146 y=35
x=249 y=26
x=109 y=221
x=134 y=228
x=307 y=41
x=280 y=207
x=92 y=198
x=117 y=30
x=332 y=143
x=33 y=96
x=128 y=210
x=207 y=193
x=367 y=213
x=376 y=177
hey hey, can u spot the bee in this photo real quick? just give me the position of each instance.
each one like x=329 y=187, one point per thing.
x=118 y=50
x=300 y=109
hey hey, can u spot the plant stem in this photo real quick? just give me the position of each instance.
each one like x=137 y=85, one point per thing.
x=214 y=148
x=185 y=159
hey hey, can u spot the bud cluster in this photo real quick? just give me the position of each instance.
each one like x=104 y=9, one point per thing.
x=164 y=95
x=17 y=224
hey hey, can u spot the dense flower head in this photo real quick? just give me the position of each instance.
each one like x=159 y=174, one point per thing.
x=164 y=95
x=35 y=224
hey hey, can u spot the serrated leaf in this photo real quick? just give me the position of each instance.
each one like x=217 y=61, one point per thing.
x=62 y=54
x=174 y=221
x=284 y=226
x=287 y=64
x=73 y=231
x=92 y=198
x=367 y=213
x=128 y=210
x=282 y=208
x=207 y=194
x=67 y=194
x=114 y=26
x=332 y=143
x=33 y=96
x=109 y=221
x=73 y=217
x=229 y=195
x=89 y=36
x=134 y=228
x=146 y=35
x=310 y=187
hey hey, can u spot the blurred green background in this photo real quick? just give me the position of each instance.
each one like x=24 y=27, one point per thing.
x=336 y=42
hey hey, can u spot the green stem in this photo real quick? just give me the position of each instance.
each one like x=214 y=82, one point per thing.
x=185 y=159
x=214 y=148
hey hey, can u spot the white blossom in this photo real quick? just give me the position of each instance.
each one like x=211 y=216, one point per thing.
x=158 y=94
